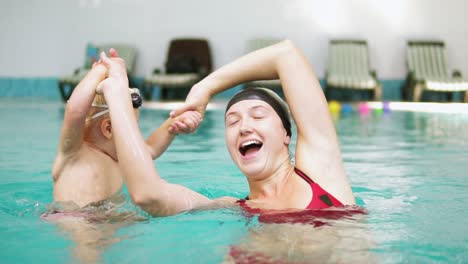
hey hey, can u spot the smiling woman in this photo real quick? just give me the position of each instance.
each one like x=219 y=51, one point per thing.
x=262 y=105
x=258 y=134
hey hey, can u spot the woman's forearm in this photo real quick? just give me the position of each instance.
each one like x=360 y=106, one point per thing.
x=145 y=186
x=299 y=83
x=259 y=65
x=132 y=152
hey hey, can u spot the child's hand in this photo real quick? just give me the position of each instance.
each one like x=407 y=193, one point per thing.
x=197 y=100
x=116 y=71
x=100 y=69
x=185 y=123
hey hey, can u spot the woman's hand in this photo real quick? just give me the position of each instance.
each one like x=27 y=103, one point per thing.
x=196 y=100
x=100 y=70
x=185 y=123
x=116 y=71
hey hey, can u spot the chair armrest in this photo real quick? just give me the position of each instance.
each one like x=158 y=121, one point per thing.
x=77 y=71
x=410 y=75
x=203 y=71
x=457 y=74
x=374 y=74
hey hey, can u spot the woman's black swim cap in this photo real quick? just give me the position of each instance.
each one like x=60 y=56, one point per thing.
x=269 y=97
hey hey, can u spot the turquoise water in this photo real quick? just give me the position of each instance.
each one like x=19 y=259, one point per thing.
x=409 y=170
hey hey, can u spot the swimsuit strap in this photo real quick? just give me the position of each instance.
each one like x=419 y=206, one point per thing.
x=304 y=176
x=320 y=197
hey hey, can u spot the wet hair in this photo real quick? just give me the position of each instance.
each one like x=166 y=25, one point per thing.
x=98 y=100
x=99 y=104
x=269 y=97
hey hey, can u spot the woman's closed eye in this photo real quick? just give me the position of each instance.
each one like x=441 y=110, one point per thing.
x=232 y=120
x=259 y=114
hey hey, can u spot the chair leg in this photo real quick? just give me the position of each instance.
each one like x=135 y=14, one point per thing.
x=131 y=84
x=147 y=91
x=417 y=93
x=63 y=93
x=61 y=90
x=410 y=92
x=407 y=94
x=327 y=93
x=404 y=92
x=450 y=96
x=164 y=93
x=378 y=93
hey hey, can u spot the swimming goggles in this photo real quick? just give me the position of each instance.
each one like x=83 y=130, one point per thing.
x=136 y=103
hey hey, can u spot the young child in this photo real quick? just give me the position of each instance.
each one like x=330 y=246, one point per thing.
x=86 y=168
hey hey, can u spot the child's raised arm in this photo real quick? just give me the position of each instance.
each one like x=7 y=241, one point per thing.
x=76 y=110
x=162 y=137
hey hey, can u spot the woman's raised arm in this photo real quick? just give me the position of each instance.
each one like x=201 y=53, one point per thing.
x=146 y=188
x=317 y=151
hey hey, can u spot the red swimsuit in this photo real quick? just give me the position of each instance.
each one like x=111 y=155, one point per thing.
x=321 y=199
x=313 y=215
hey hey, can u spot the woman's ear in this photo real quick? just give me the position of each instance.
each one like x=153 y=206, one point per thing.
x=287 y=139
x=106 y=128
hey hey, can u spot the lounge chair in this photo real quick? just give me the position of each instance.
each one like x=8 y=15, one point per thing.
x=255 y=44
x=188 y=61
x=67 y=83
x=427 y=71
x=348 y=68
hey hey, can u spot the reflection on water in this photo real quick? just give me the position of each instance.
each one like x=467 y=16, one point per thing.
x=329 y=236
x=407 y=169
x=440 y=129
x=92 y=228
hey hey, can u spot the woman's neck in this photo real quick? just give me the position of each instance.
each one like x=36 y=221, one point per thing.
x=273 y=185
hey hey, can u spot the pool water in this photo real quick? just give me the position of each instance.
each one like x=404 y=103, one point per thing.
x=409 y=170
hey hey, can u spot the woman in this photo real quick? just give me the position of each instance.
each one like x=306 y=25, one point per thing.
x=257 y=137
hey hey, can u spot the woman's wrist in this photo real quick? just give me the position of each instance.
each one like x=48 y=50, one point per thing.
x=116 y=90
x=202 y=87
x=213 y=84
x=201 y=90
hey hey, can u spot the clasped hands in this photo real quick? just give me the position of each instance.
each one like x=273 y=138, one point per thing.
x=114 y=76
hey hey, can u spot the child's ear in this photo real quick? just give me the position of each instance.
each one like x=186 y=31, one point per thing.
x=106 y=128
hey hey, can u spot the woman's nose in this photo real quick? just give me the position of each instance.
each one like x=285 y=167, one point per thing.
x=245 y=129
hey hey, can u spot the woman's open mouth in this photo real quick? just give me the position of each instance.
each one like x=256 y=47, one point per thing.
x=249 y=148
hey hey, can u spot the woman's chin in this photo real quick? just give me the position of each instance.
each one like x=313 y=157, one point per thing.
x=252 y=164
x=252 y=170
